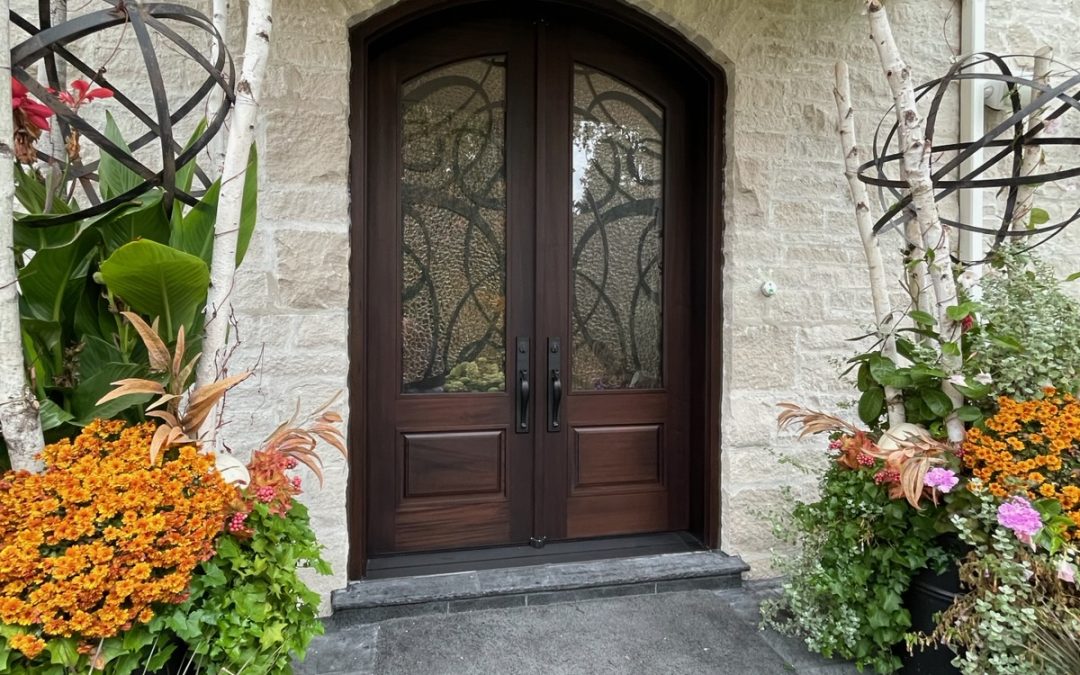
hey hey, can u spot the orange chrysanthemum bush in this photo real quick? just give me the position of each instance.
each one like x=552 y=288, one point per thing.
x=103 y=537
x=1031 y=449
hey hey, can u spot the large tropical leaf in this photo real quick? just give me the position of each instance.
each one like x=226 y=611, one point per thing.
x=143 y=218
x=53 y=281
x=158 y=281
x=185 y=173
x=115 y=178
x=249 y=207
x=194 y=232
x=100 y=364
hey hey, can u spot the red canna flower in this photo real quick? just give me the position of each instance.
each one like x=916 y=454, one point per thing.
x=35 y=113
x=82 y=93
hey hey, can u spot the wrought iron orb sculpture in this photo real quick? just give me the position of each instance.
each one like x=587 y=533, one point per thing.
x=50 y=43
x=1004 y=143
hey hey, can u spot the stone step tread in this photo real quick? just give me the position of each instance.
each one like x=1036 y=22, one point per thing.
x=536 y=579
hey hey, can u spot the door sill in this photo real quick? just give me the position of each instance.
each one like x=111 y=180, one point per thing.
x=583 y=550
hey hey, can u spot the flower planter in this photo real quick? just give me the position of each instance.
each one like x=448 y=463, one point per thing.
x=930 y=593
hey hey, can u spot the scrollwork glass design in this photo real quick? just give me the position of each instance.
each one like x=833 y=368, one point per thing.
x=453 y=228
x=617 y=254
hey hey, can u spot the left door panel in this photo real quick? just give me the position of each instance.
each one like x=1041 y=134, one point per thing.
x=451 y=137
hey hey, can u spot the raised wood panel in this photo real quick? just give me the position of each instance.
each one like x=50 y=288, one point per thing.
x=452 y=527
x=453 y=463
x=617 y=455
x=603 y=515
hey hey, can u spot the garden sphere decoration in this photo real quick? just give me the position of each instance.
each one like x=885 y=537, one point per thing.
x=1048 y=106
x=145 y=21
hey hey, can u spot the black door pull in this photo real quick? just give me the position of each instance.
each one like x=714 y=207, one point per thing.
x=555 y=392
x=523 y=393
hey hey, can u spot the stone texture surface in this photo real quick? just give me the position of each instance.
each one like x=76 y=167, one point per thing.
x=676 y=633
x=787 y=215
x=557 y=582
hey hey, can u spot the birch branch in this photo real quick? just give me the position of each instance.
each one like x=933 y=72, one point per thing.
x=1033 y=154
x=879 y=290
x=19 y=421
x=918 y=277
x=212 y=365
x=916 y=152
x=217 y=143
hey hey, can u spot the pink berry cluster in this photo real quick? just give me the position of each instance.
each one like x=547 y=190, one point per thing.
x=887 y=476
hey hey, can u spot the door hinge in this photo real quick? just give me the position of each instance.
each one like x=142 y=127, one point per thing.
x=537 y=542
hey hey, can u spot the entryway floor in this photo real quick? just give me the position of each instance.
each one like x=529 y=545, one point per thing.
x=672 y=633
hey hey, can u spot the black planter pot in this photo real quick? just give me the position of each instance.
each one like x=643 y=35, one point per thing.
x=929 y=594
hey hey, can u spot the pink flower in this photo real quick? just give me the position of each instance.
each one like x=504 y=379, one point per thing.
x=265 y=494
x=865 y=459
x=296 y=482
x=942 y=479
x=236 y=522
x=1018 y=515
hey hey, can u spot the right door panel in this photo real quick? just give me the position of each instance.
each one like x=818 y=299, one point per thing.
x=618 y=462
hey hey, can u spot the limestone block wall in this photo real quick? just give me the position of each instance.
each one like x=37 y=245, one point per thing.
x=1013 y=28
x=788 y=220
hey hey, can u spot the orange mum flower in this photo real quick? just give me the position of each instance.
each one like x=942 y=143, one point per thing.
x=1031 y=448
x=91 y=545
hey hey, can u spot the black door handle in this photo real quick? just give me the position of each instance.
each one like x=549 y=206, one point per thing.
x=523 y=391
x=555 y=393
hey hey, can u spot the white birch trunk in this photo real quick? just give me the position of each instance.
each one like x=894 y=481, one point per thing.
x=879 y=289
x=215 y=347
x=217 y=143
x=916 y=153
x=56 y=141
x=19 y=421
x=1033 y=154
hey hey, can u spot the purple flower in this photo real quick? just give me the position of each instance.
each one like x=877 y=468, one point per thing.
x=1018 y=515
x=942 y=479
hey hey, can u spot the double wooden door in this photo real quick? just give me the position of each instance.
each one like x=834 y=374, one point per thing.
x=528 y=284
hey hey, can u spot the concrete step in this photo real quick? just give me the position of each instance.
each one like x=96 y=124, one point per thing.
x=375 y=600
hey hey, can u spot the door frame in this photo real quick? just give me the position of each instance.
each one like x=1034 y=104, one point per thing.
x=707 y=273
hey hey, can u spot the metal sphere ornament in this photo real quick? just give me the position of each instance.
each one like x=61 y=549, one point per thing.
x=144 y=22
x=1004 y=146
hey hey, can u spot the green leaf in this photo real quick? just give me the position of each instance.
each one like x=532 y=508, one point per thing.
x=1038 y=217
x=863 y=379
x=1073 y=277
x=936 y=401
x=969 y=413
x=53 y=280
x=141 y=219
x=194 y=232
x=115 y=178
x=271 y=634
x=950 y=349
x=1007 y=342
x=249 y=206
x=881 y=368
x=62 y=651
x=186 y=173
x=96 y=384
x=871 y=405
x=158 y=281
x=53 y=416
x=922 y=318
x=973 y=390
x=961 y=311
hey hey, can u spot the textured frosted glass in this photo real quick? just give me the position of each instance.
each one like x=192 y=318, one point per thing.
x=618 y=158
x=453 y=228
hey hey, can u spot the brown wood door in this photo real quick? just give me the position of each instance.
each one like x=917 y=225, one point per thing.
x=528 y=287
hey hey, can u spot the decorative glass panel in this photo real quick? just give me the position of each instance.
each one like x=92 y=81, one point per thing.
x=618 y=253
x=453 y=230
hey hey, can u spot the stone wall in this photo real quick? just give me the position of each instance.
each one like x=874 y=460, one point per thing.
x=1022 y=28
x=787 y=211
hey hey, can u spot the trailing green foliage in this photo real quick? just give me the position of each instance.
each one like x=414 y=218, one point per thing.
x=1027 y=329
x=249 y=610
x=859 y=551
